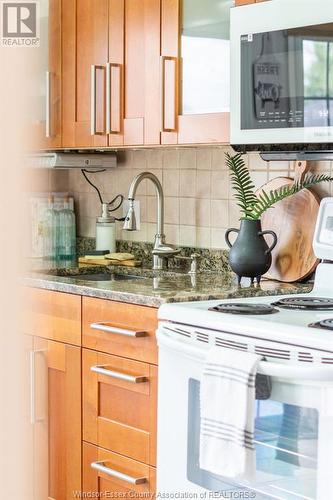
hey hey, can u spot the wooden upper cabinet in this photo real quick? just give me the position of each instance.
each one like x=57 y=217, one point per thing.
x=195 y=56
x=243 y=2
x=86 y=34
x=111 y=73
x=47 y=73
x=56 y=419
x=134 y=70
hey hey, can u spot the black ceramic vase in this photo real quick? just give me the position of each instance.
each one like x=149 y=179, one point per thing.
x=250 y=256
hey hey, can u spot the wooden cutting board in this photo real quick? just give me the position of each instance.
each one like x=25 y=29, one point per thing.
x=108 y=262
x=293 y=220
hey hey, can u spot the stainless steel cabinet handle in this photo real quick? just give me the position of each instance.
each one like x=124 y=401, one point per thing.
x=33 y=418
x=104 y=327
x=104 y=370
x=101 y=467
x=108 y=98
x=48 y=118
x=93 y=101
x=110 y=106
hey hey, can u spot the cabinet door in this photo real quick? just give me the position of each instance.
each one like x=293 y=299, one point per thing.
x=56 y=419
x=45 y=109
x=133 y=72
x=119 y=405
x=195 y=53
x=84 y=66
x=105 y=473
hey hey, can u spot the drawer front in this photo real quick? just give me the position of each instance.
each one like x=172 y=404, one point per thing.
x=52 y=315
x=105 y=473
x=117 y=328
x=119 y=405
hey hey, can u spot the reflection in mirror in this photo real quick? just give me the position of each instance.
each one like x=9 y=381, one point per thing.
x=205 y=52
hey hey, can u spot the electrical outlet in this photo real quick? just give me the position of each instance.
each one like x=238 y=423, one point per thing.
x=136 y=210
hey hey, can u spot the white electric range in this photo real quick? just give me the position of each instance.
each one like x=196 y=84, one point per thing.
x=293 y=437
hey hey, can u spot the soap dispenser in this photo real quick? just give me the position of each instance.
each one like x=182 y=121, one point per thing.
x=106 y=230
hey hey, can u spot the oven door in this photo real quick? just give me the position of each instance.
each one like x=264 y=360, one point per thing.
x=294 y=442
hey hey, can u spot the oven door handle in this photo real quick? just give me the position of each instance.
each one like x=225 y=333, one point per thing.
x=296 y=372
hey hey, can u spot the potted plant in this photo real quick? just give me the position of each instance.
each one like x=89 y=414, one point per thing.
x=250 y=256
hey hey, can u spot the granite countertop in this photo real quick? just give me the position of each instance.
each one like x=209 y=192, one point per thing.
x=154 y=288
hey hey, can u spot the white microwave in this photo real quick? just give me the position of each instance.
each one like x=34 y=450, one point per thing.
x=282 y=76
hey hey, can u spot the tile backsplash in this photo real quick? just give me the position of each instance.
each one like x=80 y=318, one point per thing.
x=199 y=202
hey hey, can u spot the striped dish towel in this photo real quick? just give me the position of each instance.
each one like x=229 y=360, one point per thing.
x=227 y=400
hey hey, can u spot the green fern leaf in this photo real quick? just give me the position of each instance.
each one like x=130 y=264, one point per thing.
x=266 y=201
x=242 y=183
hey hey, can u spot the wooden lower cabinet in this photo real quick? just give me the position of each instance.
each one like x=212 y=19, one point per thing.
x=119 y=405
x=56 y=419
x=105 y=473
x=126 y=330
x=52 y=315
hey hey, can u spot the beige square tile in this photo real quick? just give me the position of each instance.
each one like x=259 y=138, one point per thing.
x=123 y=181
x=87 y=227
x=259 y=178
x=187 y=236
x=204 y=158
x=171 y=182
x=124 y=159
x=88 y=205
x=139 y=159
x=151 y=189
x=187 y=159
x=218 y=238
x=256 y=163
x=172 y=234
x=171 y=210
x=203 y=213
x=203 y=184
x=203 y=238
x=140 y=235
x=170 y=158
x=220 y=185
x=234 y=214
x=59 y=180
x=143 y=208
x=219 y=213
x=279 y=165
x=273 y=174
x=154 y=159
x=151 y=209
x=151 y=231
x=187 y=211
x=119 y=230
x=187 y=183
x=218 y=158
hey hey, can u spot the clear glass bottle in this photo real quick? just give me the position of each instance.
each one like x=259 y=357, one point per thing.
x=50 y=234
x=67 y=235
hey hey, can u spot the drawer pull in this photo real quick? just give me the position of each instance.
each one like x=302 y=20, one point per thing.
x=104 y=327
x=103 y=370
x=101 y=467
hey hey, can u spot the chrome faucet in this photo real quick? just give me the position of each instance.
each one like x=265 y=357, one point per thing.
x=161 y=250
